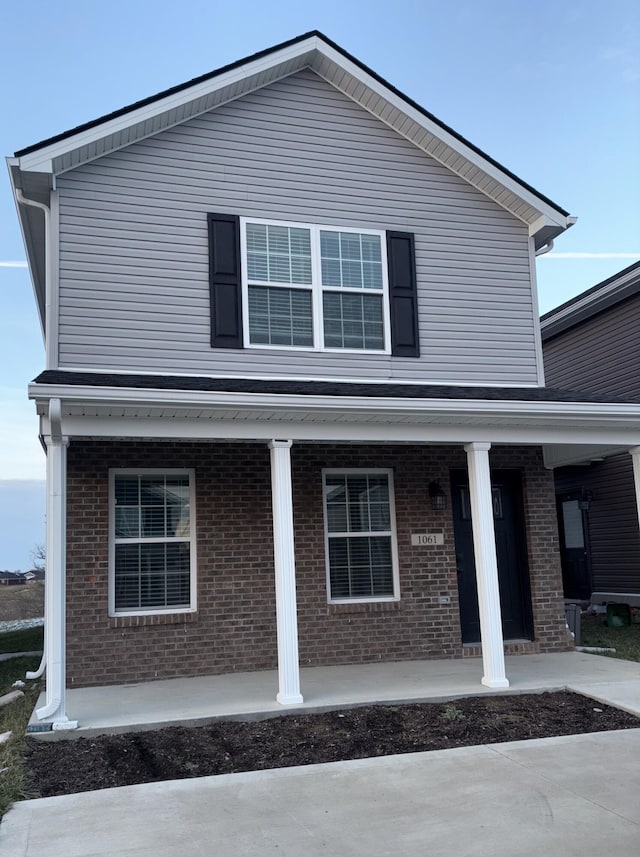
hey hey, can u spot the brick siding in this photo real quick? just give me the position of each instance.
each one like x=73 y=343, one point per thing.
x=234 y=627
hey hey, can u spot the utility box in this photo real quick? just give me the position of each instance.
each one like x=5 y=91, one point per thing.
x=573 y=613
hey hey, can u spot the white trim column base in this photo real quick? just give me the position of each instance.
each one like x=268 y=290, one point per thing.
x=285 y=567
x=484 y=548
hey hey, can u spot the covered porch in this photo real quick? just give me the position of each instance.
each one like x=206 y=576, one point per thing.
x=251 y=696
x=277 y=419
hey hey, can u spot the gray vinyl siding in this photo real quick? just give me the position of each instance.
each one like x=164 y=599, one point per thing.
x=600 y=355
x=614 y=536
x=134 y=291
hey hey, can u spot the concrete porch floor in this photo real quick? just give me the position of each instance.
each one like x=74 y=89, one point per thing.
x=198 y=700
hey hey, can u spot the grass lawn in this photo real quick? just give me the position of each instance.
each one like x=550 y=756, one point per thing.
x=14 y=718
x=625 y=640
x=27 y=640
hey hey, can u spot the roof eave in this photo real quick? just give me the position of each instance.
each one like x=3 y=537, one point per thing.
x=610 y=292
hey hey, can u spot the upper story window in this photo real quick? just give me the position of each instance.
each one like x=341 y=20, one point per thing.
x=294 y=286
x=313 y=287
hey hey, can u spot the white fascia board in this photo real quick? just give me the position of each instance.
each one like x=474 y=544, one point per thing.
x=42 y=160
x=550 y=214
x=359 y=404
x=157 y=428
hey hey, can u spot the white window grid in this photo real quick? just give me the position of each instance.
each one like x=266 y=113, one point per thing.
x=316 y=288
x=391 y=533
x=141 y=472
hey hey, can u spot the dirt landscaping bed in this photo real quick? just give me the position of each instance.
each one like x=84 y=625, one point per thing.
x=86 y=764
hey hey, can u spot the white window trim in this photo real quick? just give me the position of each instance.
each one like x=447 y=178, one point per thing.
x=154 y=471
x=373 y=471
x=316 y=288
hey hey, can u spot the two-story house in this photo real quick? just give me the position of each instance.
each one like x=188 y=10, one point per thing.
x=294 y=402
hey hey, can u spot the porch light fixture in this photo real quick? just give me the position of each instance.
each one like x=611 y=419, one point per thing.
x=585 y=499
x=438 y=497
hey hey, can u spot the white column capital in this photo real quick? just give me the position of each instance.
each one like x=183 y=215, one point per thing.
x=280 y=444
x=477 y=446
x=635 y=450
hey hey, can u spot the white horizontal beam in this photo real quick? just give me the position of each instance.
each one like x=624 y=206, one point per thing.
x=263 y=430
x=116 y=396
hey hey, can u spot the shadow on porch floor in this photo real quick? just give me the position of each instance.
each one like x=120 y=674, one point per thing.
x=246 y=696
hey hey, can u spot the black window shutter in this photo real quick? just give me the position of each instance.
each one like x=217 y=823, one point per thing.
x=225 y=280
x=403 y=298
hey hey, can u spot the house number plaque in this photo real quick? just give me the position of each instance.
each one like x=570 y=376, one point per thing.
x=427 y=539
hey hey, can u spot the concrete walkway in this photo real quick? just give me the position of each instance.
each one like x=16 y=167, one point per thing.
x=131 y=707
x=574 y=796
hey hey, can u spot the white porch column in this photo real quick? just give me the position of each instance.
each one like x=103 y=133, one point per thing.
x=53 y=710
x=634 y=452
x=285 y=565
x=484 y=547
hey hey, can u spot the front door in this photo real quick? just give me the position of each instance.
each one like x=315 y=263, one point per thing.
x=574 y=548
x=513 y=572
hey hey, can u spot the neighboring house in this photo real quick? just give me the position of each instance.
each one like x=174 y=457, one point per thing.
x=294 y=391
x=592 y=343
x=11 y=578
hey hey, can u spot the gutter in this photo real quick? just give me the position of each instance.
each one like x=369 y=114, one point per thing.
x=48 y=274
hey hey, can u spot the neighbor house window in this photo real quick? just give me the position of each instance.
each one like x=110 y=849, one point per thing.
x=360 y=535
x=152 y=550
x=314 y=287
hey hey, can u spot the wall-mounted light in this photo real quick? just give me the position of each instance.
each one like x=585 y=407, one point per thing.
x=584 y=501
x=437 y=496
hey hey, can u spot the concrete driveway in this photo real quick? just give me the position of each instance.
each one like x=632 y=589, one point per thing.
x=576 y=795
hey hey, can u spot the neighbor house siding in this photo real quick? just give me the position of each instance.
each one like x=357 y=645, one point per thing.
x=234 y=627
x=134 y=290
x=600 y=355
x=614 y=537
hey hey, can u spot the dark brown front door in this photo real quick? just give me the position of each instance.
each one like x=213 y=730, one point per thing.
x=513 y=572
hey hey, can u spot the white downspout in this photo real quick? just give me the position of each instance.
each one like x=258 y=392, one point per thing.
x=546 y=248
x=22 y=200
x=49 y=340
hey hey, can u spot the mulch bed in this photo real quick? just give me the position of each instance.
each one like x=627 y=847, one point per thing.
x=229 y=746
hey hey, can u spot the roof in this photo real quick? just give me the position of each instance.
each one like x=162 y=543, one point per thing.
x=298 y=40
x=59 y=377
x=590 y=303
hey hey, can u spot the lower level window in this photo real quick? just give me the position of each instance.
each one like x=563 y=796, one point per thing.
x=360 y=539
x=152 y=562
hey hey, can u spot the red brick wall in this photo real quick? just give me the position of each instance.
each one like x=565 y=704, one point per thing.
x=234 y=627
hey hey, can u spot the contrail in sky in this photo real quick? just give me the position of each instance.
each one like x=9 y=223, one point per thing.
x=13 y=264
x=591 y=255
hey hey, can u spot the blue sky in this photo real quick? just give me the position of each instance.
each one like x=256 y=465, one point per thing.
x=551 y=90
